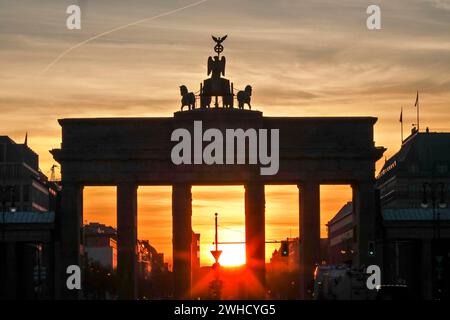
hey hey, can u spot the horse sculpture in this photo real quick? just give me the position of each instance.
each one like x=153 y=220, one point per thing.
x=188 y=98
x=244 y=97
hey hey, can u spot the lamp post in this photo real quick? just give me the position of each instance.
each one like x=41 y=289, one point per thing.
x=216 y=284
x=435 y=190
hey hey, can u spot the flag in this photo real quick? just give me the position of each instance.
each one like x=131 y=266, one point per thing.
x=417 y=100
x=401 y=115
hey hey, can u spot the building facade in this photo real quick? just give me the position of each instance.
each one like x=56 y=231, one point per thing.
x=28 y=201
x=144 y=259
x=24 y=186
x=340 y=236
x=414 y=187
x=27 y=255
x=100 y=245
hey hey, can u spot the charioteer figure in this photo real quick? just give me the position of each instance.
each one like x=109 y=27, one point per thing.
x=217 y=85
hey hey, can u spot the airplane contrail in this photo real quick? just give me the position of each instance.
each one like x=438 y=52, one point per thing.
x=65 y=52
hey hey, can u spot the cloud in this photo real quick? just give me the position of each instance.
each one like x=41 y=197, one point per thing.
x=441 y=4
x=303 y=58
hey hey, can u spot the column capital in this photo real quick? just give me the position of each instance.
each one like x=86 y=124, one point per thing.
x=129 y=184
x=71 y=184
x=182 y=185
x=254 y=187
x=302 y=184
x=365 y=182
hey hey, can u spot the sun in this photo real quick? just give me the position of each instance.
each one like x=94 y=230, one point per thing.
x=232 y=255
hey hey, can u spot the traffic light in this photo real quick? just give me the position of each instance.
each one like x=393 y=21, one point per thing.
x=284 y=248
x=371 y=248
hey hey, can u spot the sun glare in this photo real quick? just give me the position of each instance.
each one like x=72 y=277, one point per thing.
x=232 y=255
x=228 y=202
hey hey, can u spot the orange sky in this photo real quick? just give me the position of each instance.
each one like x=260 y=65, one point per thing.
x=302 y=58
x=154 y=215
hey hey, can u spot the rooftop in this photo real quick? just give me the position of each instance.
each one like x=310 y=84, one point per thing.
x=426 y=149
x=345 y=211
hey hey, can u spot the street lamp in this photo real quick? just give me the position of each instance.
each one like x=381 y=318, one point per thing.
x=434 y=189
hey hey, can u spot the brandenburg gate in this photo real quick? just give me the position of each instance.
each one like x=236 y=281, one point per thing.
x=132 y=152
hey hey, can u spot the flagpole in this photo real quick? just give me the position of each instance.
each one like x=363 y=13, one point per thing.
x=417 y=106
x=418 y=123
x=401 y=123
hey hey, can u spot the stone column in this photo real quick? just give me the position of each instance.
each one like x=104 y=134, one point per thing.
x=255 y=238
x=181 y=239
x=127 y=240
x=364 y=220
x=309 y=235
x=69 y=223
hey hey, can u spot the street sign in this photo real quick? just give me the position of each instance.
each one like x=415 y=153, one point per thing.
x=216 y=254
